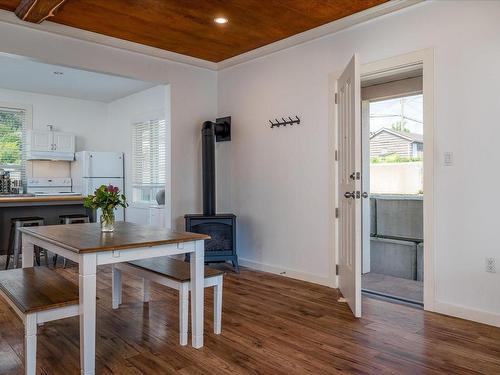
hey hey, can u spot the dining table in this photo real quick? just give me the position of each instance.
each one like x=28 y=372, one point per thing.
x=87 y=246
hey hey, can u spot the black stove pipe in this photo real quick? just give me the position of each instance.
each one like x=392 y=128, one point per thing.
x=208 y=167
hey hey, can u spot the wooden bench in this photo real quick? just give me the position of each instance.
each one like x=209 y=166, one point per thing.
x=37 y=295
x=174 y=274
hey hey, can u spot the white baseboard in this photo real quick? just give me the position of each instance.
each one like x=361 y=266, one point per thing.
x=286 y=272
x=467 y=313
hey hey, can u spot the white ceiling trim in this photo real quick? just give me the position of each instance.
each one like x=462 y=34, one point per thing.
x=88 y=36
x=306 y=36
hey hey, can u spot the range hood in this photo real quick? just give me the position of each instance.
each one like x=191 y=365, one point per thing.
x=50 y=155
x=50 y=145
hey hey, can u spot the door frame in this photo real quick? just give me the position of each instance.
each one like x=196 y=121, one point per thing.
x=426 y=59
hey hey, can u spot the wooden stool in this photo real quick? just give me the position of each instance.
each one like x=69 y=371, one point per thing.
x=70 y=219
x=37 y=295
x=15 y=245
x=174 y=274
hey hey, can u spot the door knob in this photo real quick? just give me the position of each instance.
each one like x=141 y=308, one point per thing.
x=348 y=194
x=365 y=194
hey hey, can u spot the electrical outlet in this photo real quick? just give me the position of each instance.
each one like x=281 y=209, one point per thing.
x=491 y=265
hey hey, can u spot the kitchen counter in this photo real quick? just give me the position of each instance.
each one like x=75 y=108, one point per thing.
x=40 y=200
x=49 y=207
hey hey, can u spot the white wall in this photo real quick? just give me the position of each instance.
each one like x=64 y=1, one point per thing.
x=84 y=118
x=278 y=180
x=193 y=96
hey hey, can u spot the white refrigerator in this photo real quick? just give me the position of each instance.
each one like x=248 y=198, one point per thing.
x=92 y=169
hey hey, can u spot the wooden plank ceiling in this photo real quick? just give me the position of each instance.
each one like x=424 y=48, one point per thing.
x=187 y=26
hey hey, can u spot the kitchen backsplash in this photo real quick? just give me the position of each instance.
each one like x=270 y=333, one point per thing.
x=45 y=168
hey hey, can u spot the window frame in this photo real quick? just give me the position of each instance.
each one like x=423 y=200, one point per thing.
x=28 y=110
x=143 y=118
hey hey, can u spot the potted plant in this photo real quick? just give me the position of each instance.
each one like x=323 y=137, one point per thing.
x=106 y=198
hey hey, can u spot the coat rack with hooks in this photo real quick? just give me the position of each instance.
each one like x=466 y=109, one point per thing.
x=284 y=122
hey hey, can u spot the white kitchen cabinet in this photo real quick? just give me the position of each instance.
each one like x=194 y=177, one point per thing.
x=50 y=145
x=63 y=142
x=157 y=216
x=39 y=140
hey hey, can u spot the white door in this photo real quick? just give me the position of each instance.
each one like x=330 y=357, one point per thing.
x=40 y=140
x=349 y=168
x=64 y=142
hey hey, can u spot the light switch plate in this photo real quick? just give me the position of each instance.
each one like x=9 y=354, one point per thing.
x=448 y=159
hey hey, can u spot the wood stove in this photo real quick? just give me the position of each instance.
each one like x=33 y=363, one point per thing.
x=221 y=227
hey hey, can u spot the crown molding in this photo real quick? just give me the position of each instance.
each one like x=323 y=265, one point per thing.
x=319 y=32
x=304 y=37
x=88 y=36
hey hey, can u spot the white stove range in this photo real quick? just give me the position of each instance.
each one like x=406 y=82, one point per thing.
x=50 y=186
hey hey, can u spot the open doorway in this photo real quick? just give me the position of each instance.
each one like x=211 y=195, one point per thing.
x=393 y=169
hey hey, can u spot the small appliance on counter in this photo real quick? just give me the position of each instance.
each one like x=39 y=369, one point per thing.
x=50 y=186
x=8 y=185
x=4 y=182
x=92 y=169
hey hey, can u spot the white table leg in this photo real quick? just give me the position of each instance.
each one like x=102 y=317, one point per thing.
x=146 y=295
x=87 y=286
x=28 y=251
x=30 y=331
x=218 y=306
x=116 y=287
x=183 y=313
x=197 y=293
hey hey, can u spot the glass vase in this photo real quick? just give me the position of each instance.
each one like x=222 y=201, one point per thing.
x=107 y=221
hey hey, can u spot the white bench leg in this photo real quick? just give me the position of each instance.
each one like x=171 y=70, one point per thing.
x=183 y=313
x=30 y=328
x=218 y=306
x=146 y=286
x=116 y=287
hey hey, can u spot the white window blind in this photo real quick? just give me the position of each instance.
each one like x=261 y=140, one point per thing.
x=12 y=142
x=148 y=159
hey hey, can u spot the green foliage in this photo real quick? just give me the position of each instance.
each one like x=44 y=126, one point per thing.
x=394 y=158
x=10 y=138
x=107 y=198
x=400 y=126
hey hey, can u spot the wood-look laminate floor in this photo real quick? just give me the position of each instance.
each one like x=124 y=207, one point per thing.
x=271 y=325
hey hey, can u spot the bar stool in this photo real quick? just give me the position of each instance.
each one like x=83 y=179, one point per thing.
x=15 y=237
x=71 y=219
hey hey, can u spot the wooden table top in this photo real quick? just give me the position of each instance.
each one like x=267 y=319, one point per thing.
x=88 y=238
x=40 y=198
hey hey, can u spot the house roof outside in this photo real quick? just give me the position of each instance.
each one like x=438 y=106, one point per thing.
x=412 y=137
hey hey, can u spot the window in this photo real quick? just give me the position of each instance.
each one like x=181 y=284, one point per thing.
x=12 y=140
x=148 y=160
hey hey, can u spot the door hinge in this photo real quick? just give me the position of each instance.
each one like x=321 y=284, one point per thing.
x=337 y=269
x=336 y=212
x=336 y=155
x=336 y=98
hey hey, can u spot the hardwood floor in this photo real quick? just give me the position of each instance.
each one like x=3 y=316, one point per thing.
x=271 y=325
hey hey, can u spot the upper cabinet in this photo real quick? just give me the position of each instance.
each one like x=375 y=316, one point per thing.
x=50 y=145
x=63 y=142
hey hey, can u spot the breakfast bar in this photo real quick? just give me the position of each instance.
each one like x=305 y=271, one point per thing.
x=86 y=245
x=48 y=207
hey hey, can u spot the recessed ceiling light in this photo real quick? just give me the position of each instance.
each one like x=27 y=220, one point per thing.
x=221 y=20
x=58 y=73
